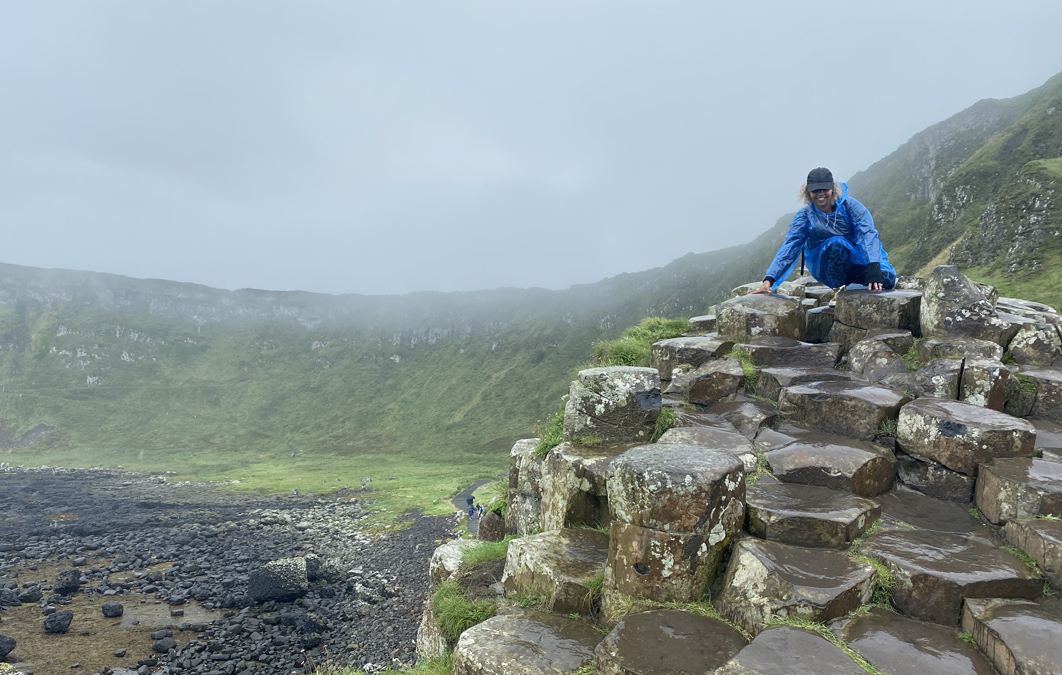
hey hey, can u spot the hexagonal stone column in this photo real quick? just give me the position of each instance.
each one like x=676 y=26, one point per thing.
x=1019 y=488
x=961 y=436
x=935 y=572
x=940 y=378
x=616 y=404
x=1048 y=382
x=713 y=381
x=750 y=316
x=954 y=347
x=557 y=565
x=524 y=511
x=574 y=485
x=934 y=479
x=701 y=325
x=748 y=415
x=665 y=641
x=895 y=644
x=784 y=352
x=1037 y=344
x=952 y=304
x=512 y=644
x=674 y=510
x=875 y=360
x=664 y=355
x=846 y=408
x=790 y=651
x=811 y=457
x=715 y=438
x=1018 y=636
x=772 y=380
x=914 y=509
x=846 y=335
x=887 y=309
x=446 y=560
x=984 y=383
x=819 y=321
x=766 y=578
x=807 y=515
x=1041 y=540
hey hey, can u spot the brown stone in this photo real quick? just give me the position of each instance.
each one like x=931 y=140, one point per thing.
x=617 y=404
x=1048 y=383
x=807 y=515
x=750 y=316
x=766 y=578
x=899 y=340
x=666 y=641
x=790 y=651
x=746 y=414
x=771 y=381
x=512 y=645
x=845 y=408
x=491 y=527
x=984 y=383
x=875 y=360
x=934 y=572
x=714 y=381
x=904 y=508
x=959 y=435
x=846 y=335
x=664 y=355
x=934 y=479
x=700 y=325
x=1019 y=637
x=887 y=309
x=558 y=565
x=1037 y=344
x=1019 y=488
x=1041 y=540
x=940 y=378
x=954 y=305
x=819 y=322
x=782 y=352
x=955 y=347
x=574 y=485
x=816 y=458
x=715 y=438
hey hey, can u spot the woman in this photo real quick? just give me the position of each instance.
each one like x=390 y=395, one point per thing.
x=837 y=237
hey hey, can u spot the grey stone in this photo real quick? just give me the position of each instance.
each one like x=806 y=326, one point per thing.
x=7 y=645
x=846 y=335
x=720 y=439
x=957 y=348
x=59 y=622
x=875 y=360
x=513 y=645
x=446 y=561
x=899 y=340
x=790 y=651
x=280 y=580
x=810 y=457
x=714 y=381
x=112 y=609
x=524 y=512
x=846 y=408
x=819 y=321
x=750 y=316
x=766 y=579
x=887 y=309
x=934 y=479
x=746 y=414
x=1019 y=488
x=665 y=641
x=1041 y=540
x=954 y=305
x=940 y=378
x=1037 y=344
x=959 y=435
x=574 y=490
x=699 y=325
x=616 y=404
x=771 y=381
x=1019 y=637
x=781 y=352
x=557 y=565
x=664 y=355
x=984 y=383
x=1048 y=383
x=807 y=515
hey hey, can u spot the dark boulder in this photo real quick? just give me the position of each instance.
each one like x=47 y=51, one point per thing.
x=59 y=622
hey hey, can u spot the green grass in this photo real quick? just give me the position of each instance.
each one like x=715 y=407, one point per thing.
x=887 y=427
x=455 y=613
x=884 y=582
x=751 y=373
x=632 y=347
x=485 y=551
x=1024 y=557
x=967 y=637
x=665 y=421
x=550 y=434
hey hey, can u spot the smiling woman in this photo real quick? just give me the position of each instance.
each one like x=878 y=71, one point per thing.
x=835 y=235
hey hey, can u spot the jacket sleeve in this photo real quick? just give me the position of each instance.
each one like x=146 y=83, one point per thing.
x=866 y=235
x=795 y=239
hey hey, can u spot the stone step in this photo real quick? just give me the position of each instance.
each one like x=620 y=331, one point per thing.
x=807 y=515
x=954 y=347
x=783 y=352
x=845 y=335
x=1041 y=540
x=875 y=360
x=984 y=383
x=771 y=381
x=886 y=309
x=903 y=508
x=790 y=651
x=1048 y=439
x=574 y=484
x=934 y=572
x=899 y=340
x=701 y=325
x=664 y=355
x=674 y=509
x=799 y=455
x=750 y=316
x=846 y=408
x=934 y=479
x=616 y=404
x=896 y=645
x=666 y=641
x=748 y=415
x=1019 y=637
x=819 y=322
x=557 y=565
x=766 y=578
x=1047 y=404
x=710 y=382
x=1019 y=488
x=715 y=438
x=525 y=643
x=959 y=435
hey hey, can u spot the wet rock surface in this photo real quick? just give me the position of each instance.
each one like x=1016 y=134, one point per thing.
x=806 y=515
x=667 y=641
x=1041 y=540
x=163 y=549
x=799 y=455
x=887 y=309
x=790 y=651
x=691 y=351
x=846 y=408
x=1018 y=636
x=1019 y=488
x=896 y=645
x=616 y=404
x=782 y=352
x=750 y=316
x=530 y=642
x=558 y=565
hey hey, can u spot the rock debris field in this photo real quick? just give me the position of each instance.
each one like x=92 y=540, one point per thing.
x=107 y=571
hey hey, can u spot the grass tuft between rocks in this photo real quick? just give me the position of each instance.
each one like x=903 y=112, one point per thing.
x=550 y=434
x=455 y=613
x=751 y=373
x=1024 y=557
x=664 y=421
x=485 y=551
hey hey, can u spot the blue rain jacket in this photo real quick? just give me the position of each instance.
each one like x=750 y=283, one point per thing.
x=810 y=228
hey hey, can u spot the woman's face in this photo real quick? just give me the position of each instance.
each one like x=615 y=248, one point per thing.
x=822 y=199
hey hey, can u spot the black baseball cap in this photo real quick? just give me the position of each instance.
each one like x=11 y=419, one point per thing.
x=820 y=179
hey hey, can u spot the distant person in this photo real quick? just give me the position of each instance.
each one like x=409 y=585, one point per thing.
x=836 y=235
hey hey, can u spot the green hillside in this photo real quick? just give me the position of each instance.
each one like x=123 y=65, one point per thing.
x=426 y=392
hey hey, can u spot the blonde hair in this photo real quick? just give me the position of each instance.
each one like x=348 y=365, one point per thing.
x=805 y=196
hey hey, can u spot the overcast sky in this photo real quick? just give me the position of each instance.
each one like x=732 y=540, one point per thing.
x=396 y=146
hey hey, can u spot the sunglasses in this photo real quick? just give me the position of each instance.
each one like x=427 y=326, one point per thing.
x=815 y=192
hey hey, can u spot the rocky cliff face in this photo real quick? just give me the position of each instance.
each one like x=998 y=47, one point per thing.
x=889 y=470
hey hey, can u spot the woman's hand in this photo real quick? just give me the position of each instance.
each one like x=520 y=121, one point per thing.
x=765 y=287
x=874 y=287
